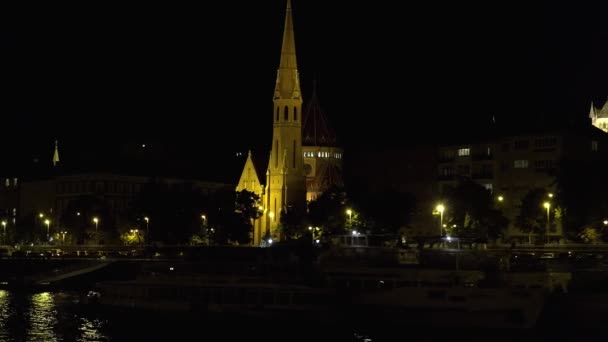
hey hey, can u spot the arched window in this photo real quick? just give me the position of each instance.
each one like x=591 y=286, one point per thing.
x=295 y=113
x=277 y=119
x=286 y=114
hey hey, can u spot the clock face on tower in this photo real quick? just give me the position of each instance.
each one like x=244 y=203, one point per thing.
x=307 y=169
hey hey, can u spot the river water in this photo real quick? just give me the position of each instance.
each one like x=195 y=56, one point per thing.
x=58 y=316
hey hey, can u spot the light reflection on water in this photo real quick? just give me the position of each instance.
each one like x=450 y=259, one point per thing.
x=47 y=317
x=42 y=318
x=4 y=309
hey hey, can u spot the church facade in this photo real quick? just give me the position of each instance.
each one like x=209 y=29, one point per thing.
x=296 y=171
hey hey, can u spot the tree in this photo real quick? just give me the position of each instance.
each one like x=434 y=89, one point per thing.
x=233 y=217
x=328 y=211
x=247 y=204
x=77 y=219
x=581 y=189
x=384 y=212
x=472 y=212
x=532 y=217
x=590 y=235
x=173 y=211
x=292 y=224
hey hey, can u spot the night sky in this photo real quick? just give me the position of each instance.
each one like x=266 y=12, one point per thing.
x=102 y=78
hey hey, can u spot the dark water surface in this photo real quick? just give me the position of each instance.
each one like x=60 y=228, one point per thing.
x=58 y=316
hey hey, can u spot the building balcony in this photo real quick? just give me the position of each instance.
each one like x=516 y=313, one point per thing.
x=483 y=156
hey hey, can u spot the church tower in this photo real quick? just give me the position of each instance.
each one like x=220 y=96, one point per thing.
x=599 y=116
x=285 y=180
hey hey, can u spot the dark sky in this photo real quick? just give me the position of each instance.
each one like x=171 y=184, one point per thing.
x=201 y=76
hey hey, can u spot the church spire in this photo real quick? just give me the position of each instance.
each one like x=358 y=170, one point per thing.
x=592 y=113
x=56 y=154
x=287 y=83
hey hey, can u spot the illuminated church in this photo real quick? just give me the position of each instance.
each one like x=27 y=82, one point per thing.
x=303 y=161
x=599 y=116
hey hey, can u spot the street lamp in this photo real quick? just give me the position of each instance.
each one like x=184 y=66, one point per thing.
x=548 y=206
x=48 y=227
x=136 y=232
x=147 y=219
x=312 y=233
x=4 y=234
x=96 y=221
x=500 y=198
x=350 y=216
x=440 y=208
x=202 y=217
x=63 y=237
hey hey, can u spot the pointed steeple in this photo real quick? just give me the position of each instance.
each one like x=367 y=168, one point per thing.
x=316 y=128
x=56 y=154
x=287 y=83
x=604 y=111
x=592 y=112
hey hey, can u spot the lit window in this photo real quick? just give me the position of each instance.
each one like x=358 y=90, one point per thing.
x=488 y=187
x=464 y=152
x=14 y=211
x=521 y=164
x=7 y=182
x=15 y=181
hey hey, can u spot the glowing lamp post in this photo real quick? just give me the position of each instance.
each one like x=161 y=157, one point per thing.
x=48 y=227
x=547 y=205
x=350 y=217
x=147 y=219
x=440 y=208
x=96 y=221
x=4 y=232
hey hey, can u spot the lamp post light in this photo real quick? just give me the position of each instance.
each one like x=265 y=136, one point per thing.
x=312 y=233
x=350 y=217
x=500 y=198
x=96 y=221
x=63 y=237
x=548 y=206
x=48 y=228
x=440 y=208
x=136 y=232
x=605 y=222
x=147 y=219
x=4 y=232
